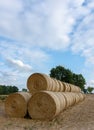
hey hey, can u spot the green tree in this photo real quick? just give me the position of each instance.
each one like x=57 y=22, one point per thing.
x=68 y=76
x=15 y=89
x=24 y=90
x=8 y=89
x=85 y=90
x=62 y=74
x=79 y=80
x=12 y=89
x=3 y=89
x=90 y=89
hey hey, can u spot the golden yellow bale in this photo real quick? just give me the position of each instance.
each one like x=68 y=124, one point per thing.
x=55 y=87
x=74 y=88
x=78 y=89
x=72 y=96
x=38 y=81
x=68 y=98
x=58 y=86
x=66 y=87
x=78 y=98
x=45 y=105
x=16 y=104
x=61 y=86
x=82 y=96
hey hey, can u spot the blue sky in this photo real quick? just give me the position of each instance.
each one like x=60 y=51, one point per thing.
x=37 y=35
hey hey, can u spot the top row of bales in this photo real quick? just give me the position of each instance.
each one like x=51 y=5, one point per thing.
x=38 y=81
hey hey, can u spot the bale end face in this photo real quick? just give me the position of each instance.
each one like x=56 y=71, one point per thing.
x=16 y=104
x=41 y=106
x=37 y=82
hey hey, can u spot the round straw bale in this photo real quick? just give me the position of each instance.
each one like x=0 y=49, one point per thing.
x=77 y=97
x=38 y=81
x=68 y=99
x=57 y=86
x=62 y=100
x=53 y=85
x=81 y=96
x=66 y=86
x=77 y=89
x=72 y=96
x=16 y=104
x=61 y=86
x=45 y=105
x=74 y=88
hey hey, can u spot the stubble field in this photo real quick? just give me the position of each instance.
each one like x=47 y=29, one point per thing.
x=78 y=117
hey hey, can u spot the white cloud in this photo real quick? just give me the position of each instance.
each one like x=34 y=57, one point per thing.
x=34 y=25
x=90 y=83
x=44 y=24
x=83 y=40
x=35 y=58
x=11 y=5
x=18 y=64
x=20 y=51
x=9 y=77
x=18 y=61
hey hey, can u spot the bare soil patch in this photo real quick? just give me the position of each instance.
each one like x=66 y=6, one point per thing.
x=78 y=117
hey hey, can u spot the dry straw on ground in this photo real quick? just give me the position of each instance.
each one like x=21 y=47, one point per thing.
x=45 y=105
x=16 y=104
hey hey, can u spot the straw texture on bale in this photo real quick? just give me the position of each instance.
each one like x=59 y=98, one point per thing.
x=45 y=105
x=82 y=96
x=58 y=86
x=37 y=82
x=66 y=86
x=16 y=104
x=74 y=88
x=79 y=97
x=68 y=99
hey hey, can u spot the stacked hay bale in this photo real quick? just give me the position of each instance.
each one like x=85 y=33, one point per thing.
x=16 y=104
x=37 y=82
x=50 y=96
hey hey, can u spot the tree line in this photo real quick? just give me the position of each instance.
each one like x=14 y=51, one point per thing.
x=5 y=90
x=60 y=73
x=66 y=75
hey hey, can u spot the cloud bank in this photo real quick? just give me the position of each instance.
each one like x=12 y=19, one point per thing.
x=29 y=29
